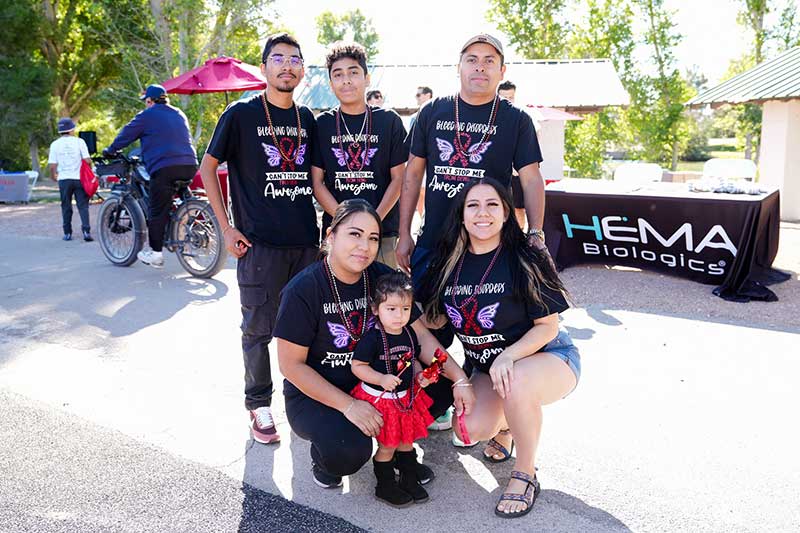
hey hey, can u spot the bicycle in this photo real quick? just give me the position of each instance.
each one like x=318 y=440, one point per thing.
x=192 y=233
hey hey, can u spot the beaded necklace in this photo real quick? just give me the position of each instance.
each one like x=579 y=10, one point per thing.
x=459 y=147
x=355 y=161
x=351 y=330
x=286 y=157
x=411 y=394
x=477 y=290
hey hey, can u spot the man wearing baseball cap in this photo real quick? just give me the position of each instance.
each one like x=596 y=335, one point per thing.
x=65 y=157
x=168 y=155
x=457 y=138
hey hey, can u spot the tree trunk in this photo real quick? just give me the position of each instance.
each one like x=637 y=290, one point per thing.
x=183 y=49
x=163 y=33
x=33 y=144
x=748 y=146
x=674 y=165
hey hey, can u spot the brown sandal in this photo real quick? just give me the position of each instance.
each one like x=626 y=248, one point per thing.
x=532 y=491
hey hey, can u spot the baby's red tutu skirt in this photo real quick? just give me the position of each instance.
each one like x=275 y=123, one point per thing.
x=399 y=426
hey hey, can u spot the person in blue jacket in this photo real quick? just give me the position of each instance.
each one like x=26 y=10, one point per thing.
x=168 y=155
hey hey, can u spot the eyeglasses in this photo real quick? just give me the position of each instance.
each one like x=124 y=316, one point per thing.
x=280 y=60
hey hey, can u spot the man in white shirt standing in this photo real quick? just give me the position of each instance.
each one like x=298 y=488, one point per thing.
x=66 y=154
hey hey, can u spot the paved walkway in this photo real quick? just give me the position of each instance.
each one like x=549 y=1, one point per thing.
x=682 y=420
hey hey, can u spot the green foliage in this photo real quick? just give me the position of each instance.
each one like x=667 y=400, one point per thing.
x=537 y=28
x=656 y=112
x=752 y=14
x=787 y=31
x=586 y=142
x=350 y=26
x=25 y=84
x=696 y=148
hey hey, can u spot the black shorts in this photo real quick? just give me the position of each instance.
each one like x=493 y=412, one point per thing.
x=516 y=192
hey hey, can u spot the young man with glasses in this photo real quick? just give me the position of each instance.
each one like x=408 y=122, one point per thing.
x=267 y=141
x=455 y=139
x=361 y=151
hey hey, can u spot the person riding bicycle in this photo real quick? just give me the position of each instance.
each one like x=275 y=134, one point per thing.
x=168 y=155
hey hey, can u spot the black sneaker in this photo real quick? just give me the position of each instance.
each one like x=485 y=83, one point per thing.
x=67 y=237
x=87 y=236
x=324 y=479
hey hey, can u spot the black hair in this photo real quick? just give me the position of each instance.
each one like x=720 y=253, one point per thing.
x=374 y=94
x=507 y=86
x=348 y=208
x=163 y=99
x=425 y=90
x=340 y=50
x=278 y=38
x=530 y=266
x=392 y=283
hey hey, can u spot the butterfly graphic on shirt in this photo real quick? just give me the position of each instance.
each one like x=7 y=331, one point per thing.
x=274 y=158
x=474 y=152
x=341 y=337
x=350 y=158
x=470 y=321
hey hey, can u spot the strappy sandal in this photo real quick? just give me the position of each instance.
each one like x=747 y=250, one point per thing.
x=499 y=448
x=532 y=491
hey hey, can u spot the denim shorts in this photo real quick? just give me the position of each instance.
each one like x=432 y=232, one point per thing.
x=563 y=348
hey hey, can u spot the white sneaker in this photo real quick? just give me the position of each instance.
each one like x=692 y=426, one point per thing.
x=149 y=257
x=461 y=444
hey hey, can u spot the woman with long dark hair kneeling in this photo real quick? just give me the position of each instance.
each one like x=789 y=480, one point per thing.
x=324 y=312
x=502 y=297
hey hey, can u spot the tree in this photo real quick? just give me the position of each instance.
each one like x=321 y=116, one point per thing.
x=656 y=113
x=605 y=32
x=25 y=87
x=752 y=15
x=537 y=28
x=787 y=31
x=350 y=26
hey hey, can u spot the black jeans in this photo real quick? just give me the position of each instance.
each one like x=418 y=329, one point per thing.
x=339 y=447
x=68 y=189
x=262 y=273
x=162 y=189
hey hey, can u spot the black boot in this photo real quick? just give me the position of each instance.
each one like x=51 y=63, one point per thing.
x=424 y=474
x=407 y=464
x=387 y=488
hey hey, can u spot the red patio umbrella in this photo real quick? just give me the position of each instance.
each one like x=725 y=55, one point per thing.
x=221 y=74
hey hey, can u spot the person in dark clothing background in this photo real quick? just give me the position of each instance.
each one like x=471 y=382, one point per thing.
x=168 y=155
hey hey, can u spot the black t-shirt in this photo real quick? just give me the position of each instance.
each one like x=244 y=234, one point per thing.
x=309 y=316
x=510 y=143
x=370 y=350
x=362 y=171
x=496 y=319
x=271 y=197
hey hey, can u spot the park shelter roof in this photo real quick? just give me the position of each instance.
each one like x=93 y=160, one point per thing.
x=775 y=79
x=575 y=86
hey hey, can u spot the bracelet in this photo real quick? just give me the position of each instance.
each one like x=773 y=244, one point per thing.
x=539 y=234
x=461 y=380
x=352 y=403
x=462 y=385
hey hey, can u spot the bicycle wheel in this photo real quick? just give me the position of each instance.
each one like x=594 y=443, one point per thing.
x=121 y=230
x=197 y=237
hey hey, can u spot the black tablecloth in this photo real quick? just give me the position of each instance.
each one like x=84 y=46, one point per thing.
x=721 y=239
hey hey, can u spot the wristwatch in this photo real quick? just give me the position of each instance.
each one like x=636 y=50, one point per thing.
x=539 y=234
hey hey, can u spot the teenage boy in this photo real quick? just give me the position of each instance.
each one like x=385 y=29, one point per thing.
x=361 y=151
x=267 y=142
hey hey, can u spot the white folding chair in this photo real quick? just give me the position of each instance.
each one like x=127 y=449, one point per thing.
x=729 y=169
x=638 y=173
